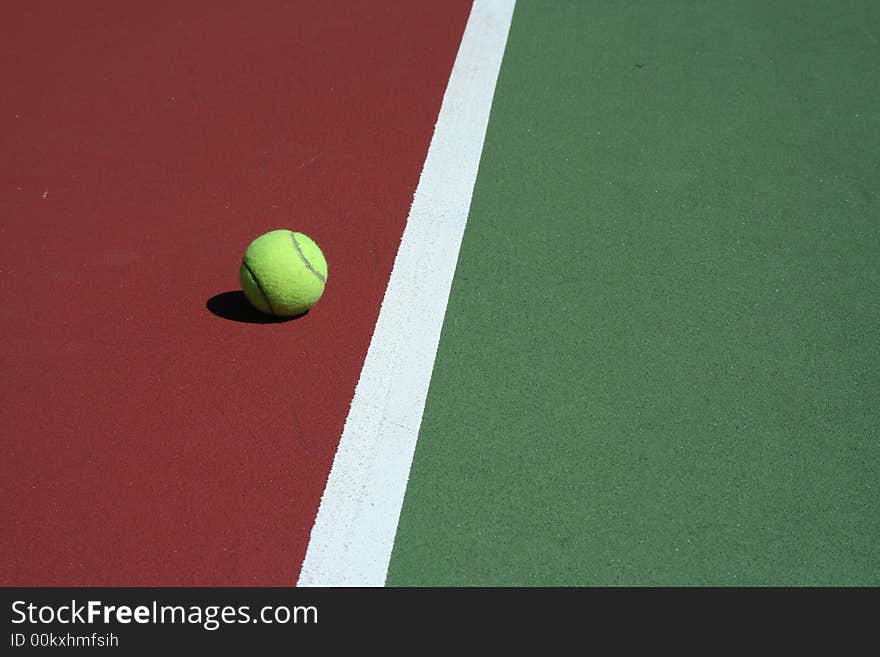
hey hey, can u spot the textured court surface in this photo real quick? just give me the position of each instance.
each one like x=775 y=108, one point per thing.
x=660 y=361
x=153 y=434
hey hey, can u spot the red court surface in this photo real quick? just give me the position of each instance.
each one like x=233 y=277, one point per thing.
x=147 y=440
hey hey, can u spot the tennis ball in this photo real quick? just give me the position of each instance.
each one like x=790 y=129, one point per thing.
x=283 y=273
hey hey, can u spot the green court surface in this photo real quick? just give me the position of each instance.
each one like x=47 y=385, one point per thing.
x=660 y=363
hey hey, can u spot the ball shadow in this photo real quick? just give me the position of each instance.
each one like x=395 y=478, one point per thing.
x=235 y=307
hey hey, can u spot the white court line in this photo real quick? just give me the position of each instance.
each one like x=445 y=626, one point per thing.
x=354 y=531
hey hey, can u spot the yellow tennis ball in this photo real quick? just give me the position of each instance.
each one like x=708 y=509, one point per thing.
x=283 y=273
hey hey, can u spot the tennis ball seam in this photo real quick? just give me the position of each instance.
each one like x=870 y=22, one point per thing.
x=259 y=285
x=305 y=260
